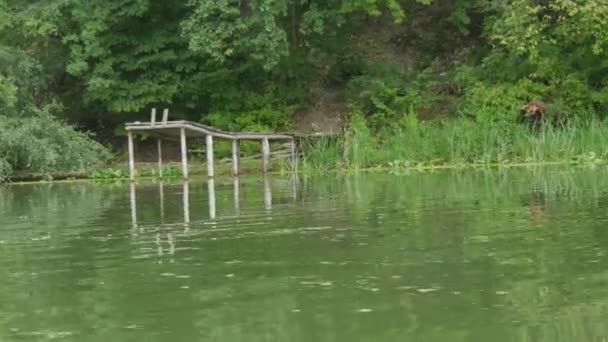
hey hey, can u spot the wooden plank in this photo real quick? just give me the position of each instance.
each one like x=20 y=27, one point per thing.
x=224 y=134
x=184 y=151
x=146 y=126
x=236 y=157
x=258 y=137
x=265 y=154
x=210 y=171
x=177 y=125
x=131 y=156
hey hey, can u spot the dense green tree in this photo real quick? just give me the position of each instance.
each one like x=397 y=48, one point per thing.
x=250 y=64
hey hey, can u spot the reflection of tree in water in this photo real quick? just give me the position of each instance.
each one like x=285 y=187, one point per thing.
x=59 y=220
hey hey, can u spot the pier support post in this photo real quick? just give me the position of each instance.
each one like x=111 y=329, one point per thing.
x=236 y=157
x=294 y=155
x=153 y=117
x=186 y=202
x=165 y=115
x=209 y=140
x=236 y=184
x=211 y=191
x=182 y=134
x=131 y=155
x=133 y=206
x=161 y=199
x=267 y=194
x=159 y=144
x=265 y=154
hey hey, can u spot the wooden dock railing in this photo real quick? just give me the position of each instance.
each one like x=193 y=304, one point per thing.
x=182 y=130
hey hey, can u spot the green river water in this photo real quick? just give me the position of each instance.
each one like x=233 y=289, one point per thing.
x=516 y=255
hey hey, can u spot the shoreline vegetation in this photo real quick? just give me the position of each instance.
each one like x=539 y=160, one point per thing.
x=412 y=84
x=409 y=146
x=462 y=143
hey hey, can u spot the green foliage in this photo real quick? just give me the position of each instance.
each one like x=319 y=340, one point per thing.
x=359 y=143
x=41 y=143
x=321 y=155
x=422 y=144
x=258 y=112
x=499 y=102
x=5 y=169
x=227 y=28
x=109 y=174
x=249 y=65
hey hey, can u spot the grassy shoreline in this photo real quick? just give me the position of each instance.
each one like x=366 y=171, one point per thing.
x=407 y=146
x=461 y=143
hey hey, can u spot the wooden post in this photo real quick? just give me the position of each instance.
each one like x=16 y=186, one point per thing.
x=294 y=155
x=267 y=194
x=153 y=117
x=165 y=115
x=131 y=156
x=236 y=156
x=182 y=133
x=211 y=191
x=186 y=202
x=159 y=143
x=133 y=206
x=236 y=183
x=161 y=198
x=265 y=154
x=210 y=171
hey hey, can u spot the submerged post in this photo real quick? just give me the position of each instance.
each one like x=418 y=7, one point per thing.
x=211 y=191
x=267 y=194
x=131 y=156
x=182 y=133
x=236 y=155
x=133 y=206
x=161 y=198
x=186 y=202
x=265 y=154
x=159 y=144
x=236 y=183
x=294 y=155
x=209 y=140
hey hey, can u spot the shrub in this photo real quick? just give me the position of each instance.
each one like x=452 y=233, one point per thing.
x=41 y=143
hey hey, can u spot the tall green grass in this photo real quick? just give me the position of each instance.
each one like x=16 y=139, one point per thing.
x=413 y=143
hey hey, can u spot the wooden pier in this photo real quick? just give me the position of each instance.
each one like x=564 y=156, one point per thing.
x=183 y=130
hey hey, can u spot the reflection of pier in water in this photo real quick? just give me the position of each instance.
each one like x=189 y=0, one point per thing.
x=212 y=202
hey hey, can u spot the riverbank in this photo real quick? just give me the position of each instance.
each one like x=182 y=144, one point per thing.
x=462 y=143
x=120 y=172
x=148 y=171
x=407 y=146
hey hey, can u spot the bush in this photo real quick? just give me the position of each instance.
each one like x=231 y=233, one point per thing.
x=41 y=143
x=5 y=169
